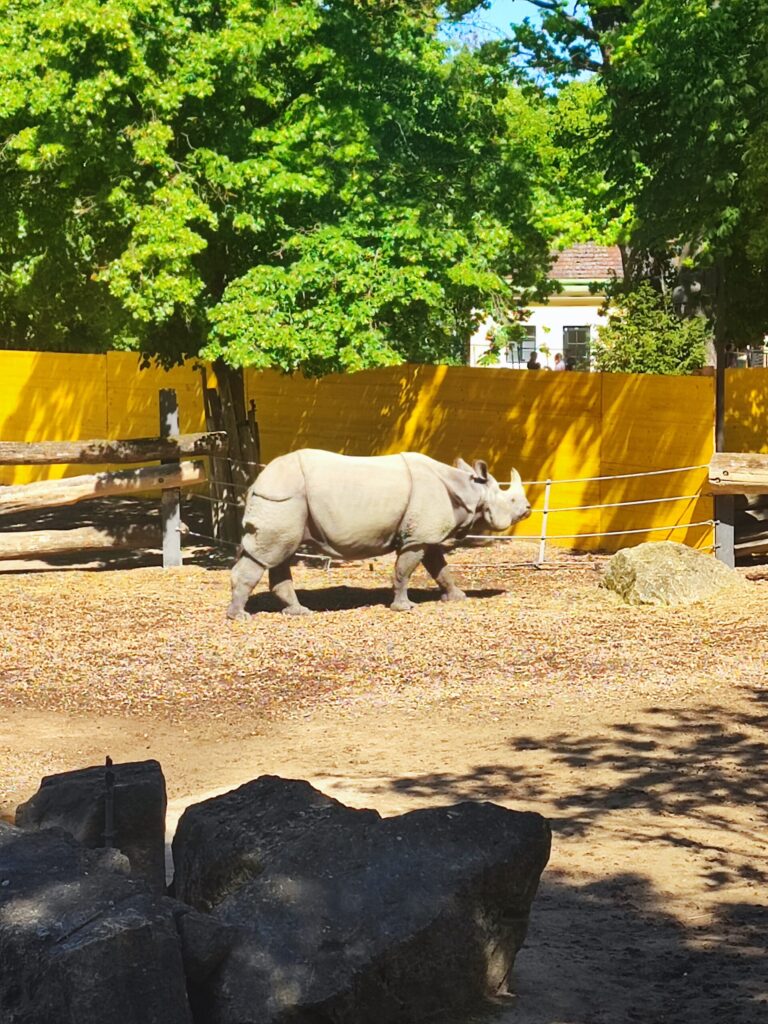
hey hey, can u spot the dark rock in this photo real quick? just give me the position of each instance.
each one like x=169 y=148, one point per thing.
x=80 y=944
x=223 y=842
x=383 y=921
x=74 y=801
x=666 y=573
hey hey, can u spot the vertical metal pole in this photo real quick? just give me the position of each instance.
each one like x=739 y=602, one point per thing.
x=544 y=516
x=170 y=501
x=109 y=804
x=725 y=504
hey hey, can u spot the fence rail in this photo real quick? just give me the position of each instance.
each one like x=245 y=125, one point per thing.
x=547 y=510
x=168 y=478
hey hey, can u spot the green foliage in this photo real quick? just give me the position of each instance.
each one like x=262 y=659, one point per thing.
x=683 y=143
x=643 y=335
x=273 y=182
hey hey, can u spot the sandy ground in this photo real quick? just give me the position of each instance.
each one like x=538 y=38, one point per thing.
x=640 y=734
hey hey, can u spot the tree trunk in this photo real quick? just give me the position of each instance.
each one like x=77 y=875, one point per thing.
x=99 y=485
x=226 y=410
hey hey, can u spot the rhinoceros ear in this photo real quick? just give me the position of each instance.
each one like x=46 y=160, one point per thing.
x=480 y=470
x=465 y=466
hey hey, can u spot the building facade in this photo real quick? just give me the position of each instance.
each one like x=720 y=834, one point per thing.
x=567 y=323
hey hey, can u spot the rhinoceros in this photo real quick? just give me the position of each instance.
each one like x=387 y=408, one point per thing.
x=353 y=507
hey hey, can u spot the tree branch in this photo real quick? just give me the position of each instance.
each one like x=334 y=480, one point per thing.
x=554 y=8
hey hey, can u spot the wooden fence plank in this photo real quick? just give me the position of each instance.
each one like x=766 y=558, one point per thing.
x=738 y=473
x=46 y=493
x=139 y=449
x=38 y=543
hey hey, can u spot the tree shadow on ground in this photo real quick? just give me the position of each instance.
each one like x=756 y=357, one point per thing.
x=614 y=951
x=345 y=598
x=687 y=764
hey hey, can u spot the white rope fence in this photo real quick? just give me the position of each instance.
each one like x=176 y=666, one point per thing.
x=547 y=510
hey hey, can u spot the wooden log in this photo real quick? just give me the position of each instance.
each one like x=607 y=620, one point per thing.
x=738 y=473
x=138 y=449
x=753 y=547
x=46 y=493
x=39 y=543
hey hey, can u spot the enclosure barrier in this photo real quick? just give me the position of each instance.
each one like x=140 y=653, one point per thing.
x=743 y=473
x=169 y=477
x=547 y=510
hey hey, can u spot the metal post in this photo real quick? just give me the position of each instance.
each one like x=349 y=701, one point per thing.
x=170 y=502
x=544 y=515
x=725 y=504
x=109 y=804
x=725 y=529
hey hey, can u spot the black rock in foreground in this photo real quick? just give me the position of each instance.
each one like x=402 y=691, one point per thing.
x=383 y=921
x=223 y=842
x=80 y=942
x=74 y=801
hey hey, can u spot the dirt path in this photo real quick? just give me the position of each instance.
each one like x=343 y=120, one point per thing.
x=653 y=907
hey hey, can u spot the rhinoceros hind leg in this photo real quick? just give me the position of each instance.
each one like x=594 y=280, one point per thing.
x=281 y=585
x=245 y=575
x=437 y=567
x=404 y=566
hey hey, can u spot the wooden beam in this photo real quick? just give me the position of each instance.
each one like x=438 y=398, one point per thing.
x=753 y=547
x=46 y=493
x=738 y=473
x=137 y=449
x=40 y=543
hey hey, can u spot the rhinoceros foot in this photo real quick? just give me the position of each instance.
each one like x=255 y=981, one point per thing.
x=402 y=606
x=296 y=609
x=239 y=616
x=453 y=595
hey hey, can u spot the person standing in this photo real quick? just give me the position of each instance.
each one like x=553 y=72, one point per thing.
x=559 y=362
x=533 y=363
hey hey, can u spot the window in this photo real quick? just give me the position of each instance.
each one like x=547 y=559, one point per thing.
x=520 y=351
x=576 y=347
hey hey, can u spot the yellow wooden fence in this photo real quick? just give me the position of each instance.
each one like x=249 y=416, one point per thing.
x=562 y=427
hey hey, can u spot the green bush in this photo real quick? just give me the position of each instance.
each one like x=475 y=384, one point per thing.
x=644 y=335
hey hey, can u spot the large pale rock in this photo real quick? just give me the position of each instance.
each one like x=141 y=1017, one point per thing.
x=74 y=801
x=81 y=943
x=382 y=921
x=223 y=842
x=666 y=573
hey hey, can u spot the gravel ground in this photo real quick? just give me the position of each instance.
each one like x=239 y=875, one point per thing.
x=640 y=734
x=156 y=641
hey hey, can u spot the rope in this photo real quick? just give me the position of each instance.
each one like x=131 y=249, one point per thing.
x=229 y=483
x=608 y=533
x=217 y=501
x=618 y=476
x=215 y=540
x=620 y=504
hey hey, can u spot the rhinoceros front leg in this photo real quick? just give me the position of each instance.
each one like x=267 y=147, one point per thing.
x=404 y=566
x=245 y=575
x=281 y=585
x=437 y=567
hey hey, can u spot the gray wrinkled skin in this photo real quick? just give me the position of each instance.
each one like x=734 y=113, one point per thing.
x=353 y=507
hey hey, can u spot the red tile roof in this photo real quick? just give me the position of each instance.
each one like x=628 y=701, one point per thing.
x=587 y=262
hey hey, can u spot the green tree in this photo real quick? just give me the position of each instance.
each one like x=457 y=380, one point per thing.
x=265 y=182
x=682 y=144
x=645 y=335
